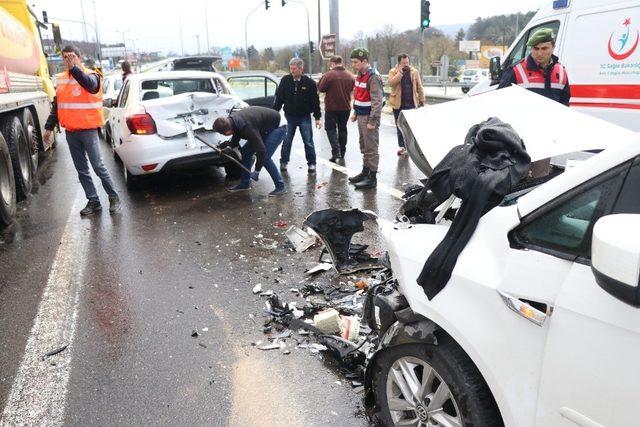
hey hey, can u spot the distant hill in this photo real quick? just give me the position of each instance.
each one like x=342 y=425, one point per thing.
x=451 y=29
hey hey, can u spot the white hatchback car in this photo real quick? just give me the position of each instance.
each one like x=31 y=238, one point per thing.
x=472 y=77
x=539 y=323
x=148 y=121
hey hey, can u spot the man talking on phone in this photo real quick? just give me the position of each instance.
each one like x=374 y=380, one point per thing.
x=77 y=107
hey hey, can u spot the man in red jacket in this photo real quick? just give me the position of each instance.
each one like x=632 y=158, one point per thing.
x=337 y=86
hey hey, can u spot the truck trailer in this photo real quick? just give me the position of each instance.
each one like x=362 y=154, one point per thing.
x=26 y=92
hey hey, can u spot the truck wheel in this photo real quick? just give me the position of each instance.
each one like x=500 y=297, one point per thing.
x=420 y=384
x=31 y=133
x=20 y=151
x=7 y=185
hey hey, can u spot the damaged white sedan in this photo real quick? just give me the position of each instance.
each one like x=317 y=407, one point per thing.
x=538 y=320
x=153 y=122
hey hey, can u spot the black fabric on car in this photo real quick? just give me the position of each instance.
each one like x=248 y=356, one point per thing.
x=492 y=160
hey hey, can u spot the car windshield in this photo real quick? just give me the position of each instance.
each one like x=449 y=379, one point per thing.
x=162 y=88
x=469 y=72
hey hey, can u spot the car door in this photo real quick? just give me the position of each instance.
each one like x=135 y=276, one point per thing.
x=590 y=371
x=583 y=324
x=254 y=90
x=118 y=123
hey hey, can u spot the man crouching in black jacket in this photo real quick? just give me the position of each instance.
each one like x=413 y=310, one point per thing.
x=261 y=128
x=298 y=94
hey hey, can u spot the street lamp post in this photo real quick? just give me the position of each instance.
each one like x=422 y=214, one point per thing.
x=85 y=23
x=308 y=31
x=206 y=24
x=246 y=45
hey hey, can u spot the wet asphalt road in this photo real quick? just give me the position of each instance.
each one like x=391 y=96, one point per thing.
x=182 y=256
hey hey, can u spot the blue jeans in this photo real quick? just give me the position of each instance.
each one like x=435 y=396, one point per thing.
x=306 y=130
x=271 y=142
x=83 y=144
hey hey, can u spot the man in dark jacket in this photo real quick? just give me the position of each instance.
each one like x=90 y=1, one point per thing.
x=299 y=96
x=261 y=128
x=337 y=86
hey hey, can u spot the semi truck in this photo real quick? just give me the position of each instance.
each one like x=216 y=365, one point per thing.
x=26 y=92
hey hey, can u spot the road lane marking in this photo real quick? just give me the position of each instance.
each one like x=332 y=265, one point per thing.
x=39 y=390
x=350 y=172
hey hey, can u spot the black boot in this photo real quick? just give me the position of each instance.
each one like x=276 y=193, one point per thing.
x=369 y=181
x=360 y=176
x=93 y=206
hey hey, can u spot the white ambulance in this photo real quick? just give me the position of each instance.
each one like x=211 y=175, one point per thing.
x=599 y=43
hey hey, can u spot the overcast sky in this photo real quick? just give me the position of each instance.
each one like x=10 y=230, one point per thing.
x=155 y=25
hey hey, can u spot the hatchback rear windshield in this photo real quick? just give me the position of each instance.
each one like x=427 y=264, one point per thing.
x=469 y=72
x=153 y=89
x=202 y=64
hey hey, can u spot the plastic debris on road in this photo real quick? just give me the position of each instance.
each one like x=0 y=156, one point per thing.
x=300 y=239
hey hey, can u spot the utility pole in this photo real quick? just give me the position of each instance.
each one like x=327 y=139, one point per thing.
x=181 y=41
x=84 y=25
x=319 y=38
x=206 y=24
x=334 y=22
x=95 y=21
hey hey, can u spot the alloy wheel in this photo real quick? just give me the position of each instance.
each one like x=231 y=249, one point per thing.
x=418 y=396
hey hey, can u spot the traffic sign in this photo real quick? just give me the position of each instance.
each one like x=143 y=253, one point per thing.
x=436 y=63
x=328 y=46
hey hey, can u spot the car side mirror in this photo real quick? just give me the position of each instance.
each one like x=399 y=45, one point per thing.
x=108 y=103
x=495 y=68
x=615 y=256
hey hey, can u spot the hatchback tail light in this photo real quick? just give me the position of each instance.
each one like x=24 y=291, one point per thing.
x=141 y=124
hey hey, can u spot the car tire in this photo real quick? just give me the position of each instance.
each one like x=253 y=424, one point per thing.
x=20 y=151
x=7 y=185
x=32 y=135
x=470 y=401
x=232 y=171
x=465 y=89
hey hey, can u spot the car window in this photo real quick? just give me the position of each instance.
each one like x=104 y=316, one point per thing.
x=252 y=87
x=105 y=84
x=271 y=87
x=469 y=72
x=566 y=228
x=629 y=198
x=117 y=84
x=521 y=50
x=124 y=94
x=162 y=88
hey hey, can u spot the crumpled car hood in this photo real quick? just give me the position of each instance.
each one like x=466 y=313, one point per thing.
x=164 y=110
x=548 y=128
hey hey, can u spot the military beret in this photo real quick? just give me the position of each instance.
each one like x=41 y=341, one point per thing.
x=543 y=35
x=360 y=53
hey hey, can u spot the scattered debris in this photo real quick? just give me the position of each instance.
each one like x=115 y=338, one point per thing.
x=280 y=224
x=195 y=334
x=257 y=288
x=274 y=346
x=202 y=345
x=328 y=321
x=56 y=351
x=300 y=239
x=336 y=229
x=267 y=243
x=323 y=266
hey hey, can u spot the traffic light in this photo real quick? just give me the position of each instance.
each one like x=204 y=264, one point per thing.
x=425 y=20
x=312 y=47
x=266 y=4
x=45 y=17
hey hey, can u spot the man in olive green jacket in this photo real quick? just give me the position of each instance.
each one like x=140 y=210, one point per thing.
x=406 y=92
